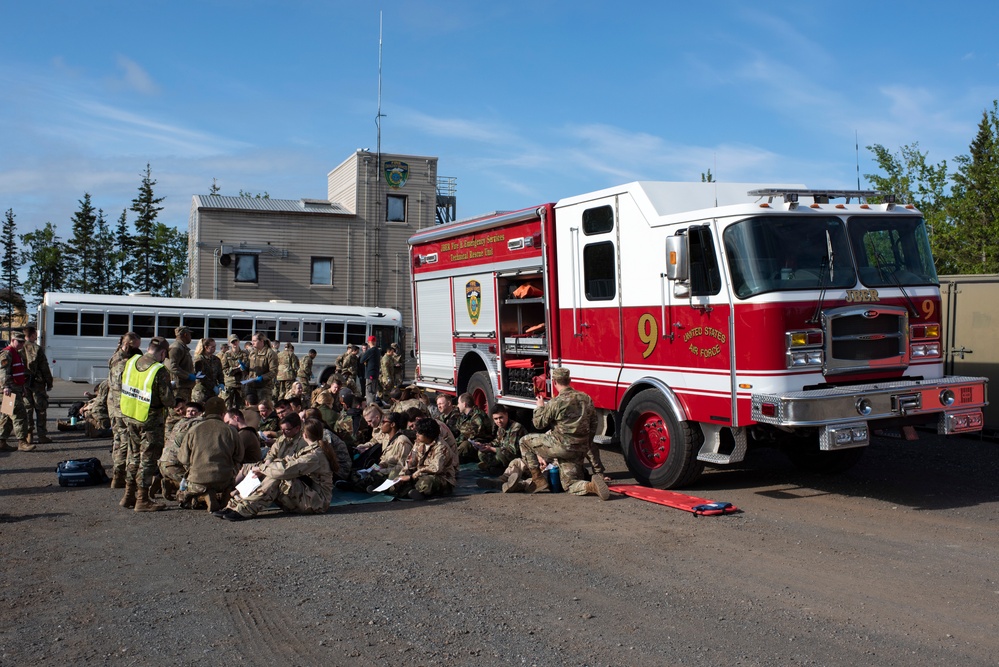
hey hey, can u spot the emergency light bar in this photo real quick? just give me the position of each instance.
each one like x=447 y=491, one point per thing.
x=819 y=196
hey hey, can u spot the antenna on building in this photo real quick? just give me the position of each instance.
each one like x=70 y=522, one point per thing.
x=380 y=115
x=856 y=146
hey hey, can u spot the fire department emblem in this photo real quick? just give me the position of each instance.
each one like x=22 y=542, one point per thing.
x=473 y=299
x=396 y=173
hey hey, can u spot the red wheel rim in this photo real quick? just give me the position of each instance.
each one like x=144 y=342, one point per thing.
x=651 y=440
x=480 y=400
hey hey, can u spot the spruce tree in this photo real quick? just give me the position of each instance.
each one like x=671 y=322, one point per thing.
x=10 y=263
x=975 y=208
x=142 y=260
x=43 y=254
x=81 y=249
x=120 y=281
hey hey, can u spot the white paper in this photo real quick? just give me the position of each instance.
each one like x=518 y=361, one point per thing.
x=387 y=484
x=249 y=484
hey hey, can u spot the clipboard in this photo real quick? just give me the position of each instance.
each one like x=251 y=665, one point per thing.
x=7 y=406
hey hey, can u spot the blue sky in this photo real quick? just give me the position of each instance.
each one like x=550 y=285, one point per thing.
x=523 y=102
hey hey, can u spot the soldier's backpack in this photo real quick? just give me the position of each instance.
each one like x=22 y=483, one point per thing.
x=81 y=472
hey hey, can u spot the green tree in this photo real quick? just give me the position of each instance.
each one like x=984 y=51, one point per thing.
x=707 y=178
x=265 y=195
x=142 y=260
x=171 y=260
x=975 y=205
x=215 y=189
x=10 y=262
x=103 y=252
x=43 y=254
x=120 y=283
x=82 y=261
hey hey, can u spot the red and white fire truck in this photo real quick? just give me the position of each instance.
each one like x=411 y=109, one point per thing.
x=703 y=318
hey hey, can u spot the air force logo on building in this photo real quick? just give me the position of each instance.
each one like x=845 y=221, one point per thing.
x=473 y=299
x=396 y=173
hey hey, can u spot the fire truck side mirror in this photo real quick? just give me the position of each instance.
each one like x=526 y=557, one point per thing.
x=677 y=264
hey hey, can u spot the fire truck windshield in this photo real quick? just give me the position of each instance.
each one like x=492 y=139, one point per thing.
x=771 y=253
x=892 y=251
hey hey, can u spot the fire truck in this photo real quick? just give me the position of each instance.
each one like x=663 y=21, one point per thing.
x=702 y=318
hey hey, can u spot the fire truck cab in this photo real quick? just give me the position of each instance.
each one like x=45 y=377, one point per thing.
x=702 y=318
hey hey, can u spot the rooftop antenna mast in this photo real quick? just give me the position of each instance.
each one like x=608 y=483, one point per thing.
x=380 y=115
x=856 y=146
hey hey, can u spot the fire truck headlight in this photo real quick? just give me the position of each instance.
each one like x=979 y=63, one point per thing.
x=804 y=358
x=933 y=349
x=864 y=407
x=947 y=397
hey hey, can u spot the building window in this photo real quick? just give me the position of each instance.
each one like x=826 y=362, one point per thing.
x=395 y=210
x=322 y=271
x=246 y=268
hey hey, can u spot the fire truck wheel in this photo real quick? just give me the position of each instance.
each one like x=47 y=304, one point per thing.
x=481 y=390
x=805 y=455
x=660 y=451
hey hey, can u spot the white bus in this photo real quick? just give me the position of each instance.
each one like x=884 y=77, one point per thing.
x=81 y=331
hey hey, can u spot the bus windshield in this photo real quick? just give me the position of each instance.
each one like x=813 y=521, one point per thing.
x=892 y=250
x=770 y=253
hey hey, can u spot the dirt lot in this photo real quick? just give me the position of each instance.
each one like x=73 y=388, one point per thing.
x=892 y=563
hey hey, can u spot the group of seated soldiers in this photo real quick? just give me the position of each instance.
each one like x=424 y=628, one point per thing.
x=294 y=451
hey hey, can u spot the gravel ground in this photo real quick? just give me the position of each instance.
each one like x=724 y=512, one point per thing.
x=892 y=563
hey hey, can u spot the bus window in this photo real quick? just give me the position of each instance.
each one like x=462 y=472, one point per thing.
x=196 y=323
x=333 y=335
x=143 y=325
x=167 y=326
x=384 y=335
x=64 y=323
x=117 y=324
x=288 y=333
x=92 y=324
x=242 y=327
x=267 y=327
x=218 y=328
x=357 y=334
x=311 y=331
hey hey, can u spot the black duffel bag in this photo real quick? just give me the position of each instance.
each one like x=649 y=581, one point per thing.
x=81 y=472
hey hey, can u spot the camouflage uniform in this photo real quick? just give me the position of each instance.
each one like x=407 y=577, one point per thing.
x=263 y=365
x=348 y=367
x=14 y=377
x=507 y=444
x=234 y=364
x=475 y=425
x=304 y=374
x=181 y=367
x=36 y=391
x=390 y=372
x=98 y=418
x=433 y=468
x=286 y=369
x=169 y=465
x=209 y=452
x=573 y=421
x=119 y=432
x=145 y=439
x=403 y=406
x=300 y=481
x=209 y=366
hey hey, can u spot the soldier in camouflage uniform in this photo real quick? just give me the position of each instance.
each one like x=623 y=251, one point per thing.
x=298 y=480
x=210 y=454
x=495 y=456
x=171 y=470
x=144 y=402
x=391 y=371
x=348 y=368
x=209 y=366
x=180 y=363
x=39 y=384
x=286 y=370
x=472 y=424
x=573 y=422
x=432 y=467
x=263 y=367
x=128 y=347
x=234 y=366
x=304 y=374
x=14 y=379
x=447 y=412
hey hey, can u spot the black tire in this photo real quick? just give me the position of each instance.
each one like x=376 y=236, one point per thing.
x=481 y=389
x=326 y=374
x=667 y=459
x=805 y=455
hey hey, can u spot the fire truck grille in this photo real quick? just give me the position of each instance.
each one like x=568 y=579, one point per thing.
x=862 y=338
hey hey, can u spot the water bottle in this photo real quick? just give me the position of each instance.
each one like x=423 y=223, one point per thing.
x=72 y=421
x=183 y=484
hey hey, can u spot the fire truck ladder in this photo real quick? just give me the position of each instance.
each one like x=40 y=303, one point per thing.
x=791 y=195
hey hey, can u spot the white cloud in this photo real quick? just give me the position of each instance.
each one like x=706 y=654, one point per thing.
x=135 y=77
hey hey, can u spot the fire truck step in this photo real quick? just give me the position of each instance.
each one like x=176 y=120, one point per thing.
x=722 y=445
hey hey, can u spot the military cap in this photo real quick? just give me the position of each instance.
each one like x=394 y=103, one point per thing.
x=233 y=338
x=394 y=346
x=561 y=375
x=17 y=335
x=181 y=330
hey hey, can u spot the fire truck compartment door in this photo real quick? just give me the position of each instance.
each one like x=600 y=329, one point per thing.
x=435 y=344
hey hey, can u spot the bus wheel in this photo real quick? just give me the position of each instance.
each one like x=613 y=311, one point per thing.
x=660 y=451
x=324 y=377
x=481 y=389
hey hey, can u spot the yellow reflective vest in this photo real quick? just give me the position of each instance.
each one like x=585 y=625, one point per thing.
x=137 y=389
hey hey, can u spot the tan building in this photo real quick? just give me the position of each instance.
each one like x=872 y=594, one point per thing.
x=348 y=249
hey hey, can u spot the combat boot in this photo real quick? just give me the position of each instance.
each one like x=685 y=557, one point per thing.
x=4 y=447
x=25 y=446
x=170 y=489
x=128 y=500
x=540 y=480
x=212 y=500
x=512 y=484
x=118 y=478
x=143 y=503
x=42 y=439
x=598 y=487
x=155 y=487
